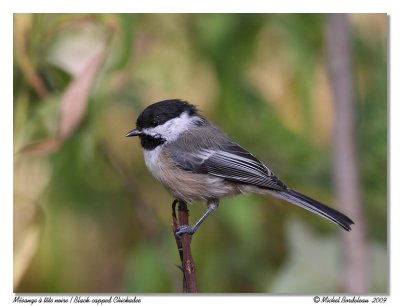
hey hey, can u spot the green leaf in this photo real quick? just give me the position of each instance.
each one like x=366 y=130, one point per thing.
x=315 y=264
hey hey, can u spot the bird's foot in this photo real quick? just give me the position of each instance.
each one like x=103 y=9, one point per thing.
x=183 y=229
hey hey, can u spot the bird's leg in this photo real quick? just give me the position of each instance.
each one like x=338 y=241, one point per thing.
x=211 y=206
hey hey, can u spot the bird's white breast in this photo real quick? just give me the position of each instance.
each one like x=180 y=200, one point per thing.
x=153 y=162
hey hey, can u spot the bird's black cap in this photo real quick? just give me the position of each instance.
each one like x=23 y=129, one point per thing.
x=160 y=112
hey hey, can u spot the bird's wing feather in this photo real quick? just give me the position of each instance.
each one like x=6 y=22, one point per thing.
x=229 y=161
x=214 y=154
x=234 y=167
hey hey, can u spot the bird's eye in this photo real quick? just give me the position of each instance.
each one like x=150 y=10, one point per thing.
x=154 y=123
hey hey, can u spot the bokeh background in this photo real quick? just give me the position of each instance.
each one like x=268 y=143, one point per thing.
x=88 y=216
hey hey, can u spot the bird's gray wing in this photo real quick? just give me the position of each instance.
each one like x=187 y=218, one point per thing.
x=227 y=160
x=211 y=152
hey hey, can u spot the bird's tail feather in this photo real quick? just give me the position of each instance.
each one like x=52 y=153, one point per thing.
x=314 y=206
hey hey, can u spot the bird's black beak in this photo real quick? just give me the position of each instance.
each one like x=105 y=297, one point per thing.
x=134 y=132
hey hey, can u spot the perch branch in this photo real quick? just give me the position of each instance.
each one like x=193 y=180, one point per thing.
x=183 y=244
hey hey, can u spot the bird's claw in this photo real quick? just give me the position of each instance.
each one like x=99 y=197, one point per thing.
x=183 y=229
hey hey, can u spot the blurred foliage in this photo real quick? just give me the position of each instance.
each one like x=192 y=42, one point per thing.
x=314 y=263
x=88 y=217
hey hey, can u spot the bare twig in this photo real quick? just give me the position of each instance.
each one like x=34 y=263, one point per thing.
x=345 y=153
x=183 y=244
x=175 y=228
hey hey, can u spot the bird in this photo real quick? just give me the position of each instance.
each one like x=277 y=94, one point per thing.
x=196 y=161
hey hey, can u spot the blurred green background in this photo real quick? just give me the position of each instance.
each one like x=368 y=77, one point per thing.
x=88 y=216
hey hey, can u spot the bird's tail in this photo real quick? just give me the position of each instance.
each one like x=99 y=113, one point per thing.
x=314 y=206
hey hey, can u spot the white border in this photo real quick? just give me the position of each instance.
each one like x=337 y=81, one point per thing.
x=7 y=8
x=6 y=156
x=182 y=6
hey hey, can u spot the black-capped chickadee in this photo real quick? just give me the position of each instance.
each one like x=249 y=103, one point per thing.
x=195 y=161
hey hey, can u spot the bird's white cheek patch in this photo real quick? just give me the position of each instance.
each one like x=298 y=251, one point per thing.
x=171 y=129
